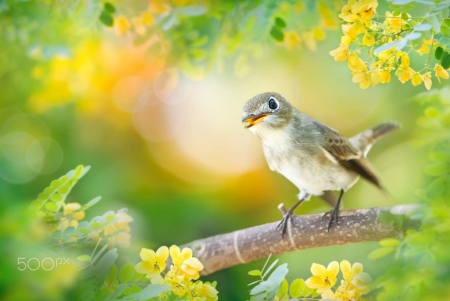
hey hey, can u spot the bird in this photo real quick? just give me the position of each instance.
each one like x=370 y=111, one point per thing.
x=311 y=155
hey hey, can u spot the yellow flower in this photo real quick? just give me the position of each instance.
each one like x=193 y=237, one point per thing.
x=439 y=72
x=362 y=78
x=118 y=232
x=178 y=257
x=416 y=79
x=318 y=34
x=323 y=278
x=340 y=54
x=385 y=76
x=152 y=263
x=355 y=63
x=393 y=23
x=347 y=13
x=427 y=80
x=327 y=295
x=362 y=282
x=404 y=74
x=138 y=25
x=147 y=18
x=191 y=267
x=423 y=49
x=368 y=8
x=309 y=40
x=405 y=60
x=357 y=10
x=121 y=25
x=328 y=19
x=291 y=39
x=205 y=291
x=349 y=271
x=368 y=39
x=158 y=7
x=71 y=207
x=349 y=30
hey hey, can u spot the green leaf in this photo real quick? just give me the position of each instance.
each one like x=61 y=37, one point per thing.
x=380 y=252
x=297 y=287
x=440 y=156
x=84 y=258
x=63 y=190
x=109 y=216
x=423 y=27
x=437 y=169
x=93 y=202
x=445 y=30
x=149 y=292
x=269 y=269
x=56 y=183
x=438 y=52
x=405 y=16
x=447 y=22
x=126 y=273
x=192 y=10
x=255 y=273
x=84 y=227
x=52 y=206
x=280 y=22
x=277 y=34
x=56 y=198
x=413 y=36
x=445 y=60
x=389 y=242
x=43 y=196
x=401 y=2
x=385 y=47
x=282 y=291
x=109 y=8
x=78 y=171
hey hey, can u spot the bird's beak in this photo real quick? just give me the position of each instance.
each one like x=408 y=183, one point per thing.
x=251 y=120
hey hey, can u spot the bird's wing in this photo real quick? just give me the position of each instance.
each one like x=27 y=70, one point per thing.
x=346 y=154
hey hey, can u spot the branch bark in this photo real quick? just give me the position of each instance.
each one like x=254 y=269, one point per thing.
x=242 y=246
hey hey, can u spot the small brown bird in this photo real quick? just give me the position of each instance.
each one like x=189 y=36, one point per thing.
x=314 y=157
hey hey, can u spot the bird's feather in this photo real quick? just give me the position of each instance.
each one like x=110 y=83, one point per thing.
x=346 y=154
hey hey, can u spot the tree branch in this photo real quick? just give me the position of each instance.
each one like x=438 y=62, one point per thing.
x=242 y=246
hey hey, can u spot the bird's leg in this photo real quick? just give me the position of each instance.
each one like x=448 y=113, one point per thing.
x=287 y=216
x=334 y=213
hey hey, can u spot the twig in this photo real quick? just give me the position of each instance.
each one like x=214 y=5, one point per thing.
x=242 y=246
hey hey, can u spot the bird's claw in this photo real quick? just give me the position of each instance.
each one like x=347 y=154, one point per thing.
x=326 y=213
x=333 y=217
x=283 y=223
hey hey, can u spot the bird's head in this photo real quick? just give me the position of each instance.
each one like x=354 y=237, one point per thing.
x=268 y=109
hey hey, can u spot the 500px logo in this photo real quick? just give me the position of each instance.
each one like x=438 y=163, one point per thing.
x=47 y=264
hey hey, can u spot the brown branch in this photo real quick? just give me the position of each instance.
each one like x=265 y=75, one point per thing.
x=242 y=246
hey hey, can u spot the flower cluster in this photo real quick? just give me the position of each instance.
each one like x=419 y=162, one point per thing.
x=183 y=270
x=294 y=39
x=385 y=43
x=354 y=283
x=72 y=214
x=117 y=233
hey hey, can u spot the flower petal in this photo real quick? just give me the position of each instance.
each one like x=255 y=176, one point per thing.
x=318 y=270
x=148 y=255
x=315 y=282
x=333 y=268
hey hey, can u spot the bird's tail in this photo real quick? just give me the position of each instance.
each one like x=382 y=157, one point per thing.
x=364 y=141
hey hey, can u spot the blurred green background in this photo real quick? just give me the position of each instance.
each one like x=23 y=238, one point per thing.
x=158 y=121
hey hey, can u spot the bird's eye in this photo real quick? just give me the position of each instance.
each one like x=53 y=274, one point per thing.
x=273 y=104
